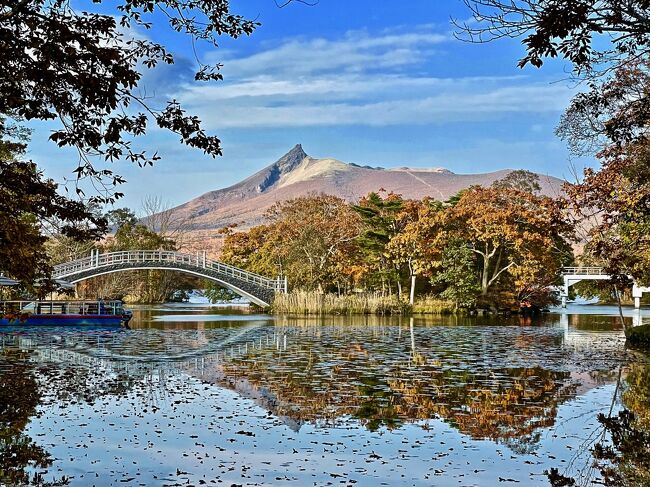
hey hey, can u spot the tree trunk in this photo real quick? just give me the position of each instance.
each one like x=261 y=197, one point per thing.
x=620 y=308
x=484 y=277
x=412 y=294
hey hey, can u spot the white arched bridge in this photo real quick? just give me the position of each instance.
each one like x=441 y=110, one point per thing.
x=258 y=289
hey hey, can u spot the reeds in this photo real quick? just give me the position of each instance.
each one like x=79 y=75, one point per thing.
x=430 y=305
x=314 y=303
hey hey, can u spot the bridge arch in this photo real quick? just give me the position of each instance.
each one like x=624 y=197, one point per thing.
x=259 y=289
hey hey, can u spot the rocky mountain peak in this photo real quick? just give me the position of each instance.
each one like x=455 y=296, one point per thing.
x=291 y=159
x=281 y=167
x=296 y=174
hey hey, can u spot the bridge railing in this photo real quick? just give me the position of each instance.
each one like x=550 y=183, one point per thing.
x=97 y=260
x=585 y=271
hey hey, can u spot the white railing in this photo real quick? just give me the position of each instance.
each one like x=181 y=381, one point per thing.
x=97 y=261
x=73 y=307
x=583 y=271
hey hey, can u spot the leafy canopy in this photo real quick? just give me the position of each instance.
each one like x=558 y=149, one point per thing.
x=83 y=69
x=30 y=206
x=561 y=28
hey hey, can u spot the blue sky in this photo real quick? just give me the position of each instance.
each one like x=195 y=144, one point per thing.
x=379 y=83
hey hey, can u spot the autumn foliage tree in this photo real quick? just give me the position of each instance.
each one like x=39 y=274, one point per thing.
x=412 y=247
x=31 y=206
x=514 y=235
x=492 y=241
x=486 y=243
x=615 y=200
x=306 y=239
x=608 y=44
x=257 y=249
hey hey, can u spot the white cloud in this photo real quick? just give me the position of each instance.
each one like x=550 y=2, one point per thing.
x=360 y=79
x=357 y=51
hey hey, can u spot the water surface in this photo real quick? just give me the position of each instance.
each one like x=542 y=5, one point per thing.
x=219 y=396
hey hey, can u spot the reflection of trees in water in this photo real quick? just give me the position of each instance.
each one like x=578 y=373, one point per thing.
x=621 y=450
x=26 y=384
x=628 y=452
x=503 y=404
x=20 y=395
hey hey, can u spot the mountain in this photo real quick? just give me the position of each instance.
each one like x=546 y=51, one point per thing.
x=297 y=174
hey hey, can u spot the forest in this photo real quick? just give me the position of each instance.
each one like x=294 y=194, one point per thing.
x=484 y=247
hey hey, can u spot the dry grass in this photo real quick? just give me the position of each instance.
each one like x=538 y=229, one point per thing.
x=433 y=306
x=313 y=303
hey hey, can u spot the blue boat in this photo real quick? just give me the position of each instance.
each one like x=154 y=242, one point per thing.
x=64 y=313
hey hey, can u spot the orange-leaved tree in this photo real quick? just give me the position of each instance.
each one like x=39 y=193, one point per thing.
x=314 y=232
x=515 y=236
x=414 y=247
x=309 y=239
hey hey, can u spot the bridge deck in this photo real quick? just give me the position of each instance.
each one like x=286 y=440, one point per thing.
x=254 y=286
x=573 y=275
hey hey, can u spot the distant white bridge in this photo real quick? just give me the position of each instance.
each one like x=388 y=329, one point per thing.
x=259 y=289
x=573 y=275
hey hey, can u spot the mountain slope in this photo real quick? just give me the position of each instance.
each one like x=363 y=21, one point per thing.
x=296 y=174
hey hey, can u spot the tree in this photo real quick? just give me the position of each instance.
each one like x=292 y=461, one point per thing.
x=149 y=286
x=557 y=28
x=378 y=214
x=135 y=236
x=615 y=200
x=513 y=234
x=20 y=396
x=622 y=452
x=458 y=274
x=610 y=118
x=615 y=112
x=29 y=205
x=160 y=218
x=521 y=180
x=406 y=247
x=307 y=239
x=120 y=217
x=218 y=294
x=384 y=217
x=257 y=250
x=83 y=68
x=314 y=231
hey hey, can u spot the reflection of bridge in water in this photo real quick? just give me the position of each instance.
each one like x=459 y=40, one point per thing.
x=73 y=350
x=202 y=364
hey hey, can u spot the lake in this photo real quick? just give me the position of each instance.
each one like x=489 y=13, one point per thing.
x=193 y=395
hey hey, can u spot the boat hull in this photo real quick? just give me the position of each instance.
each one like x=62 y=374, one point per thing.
x=67 y=320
